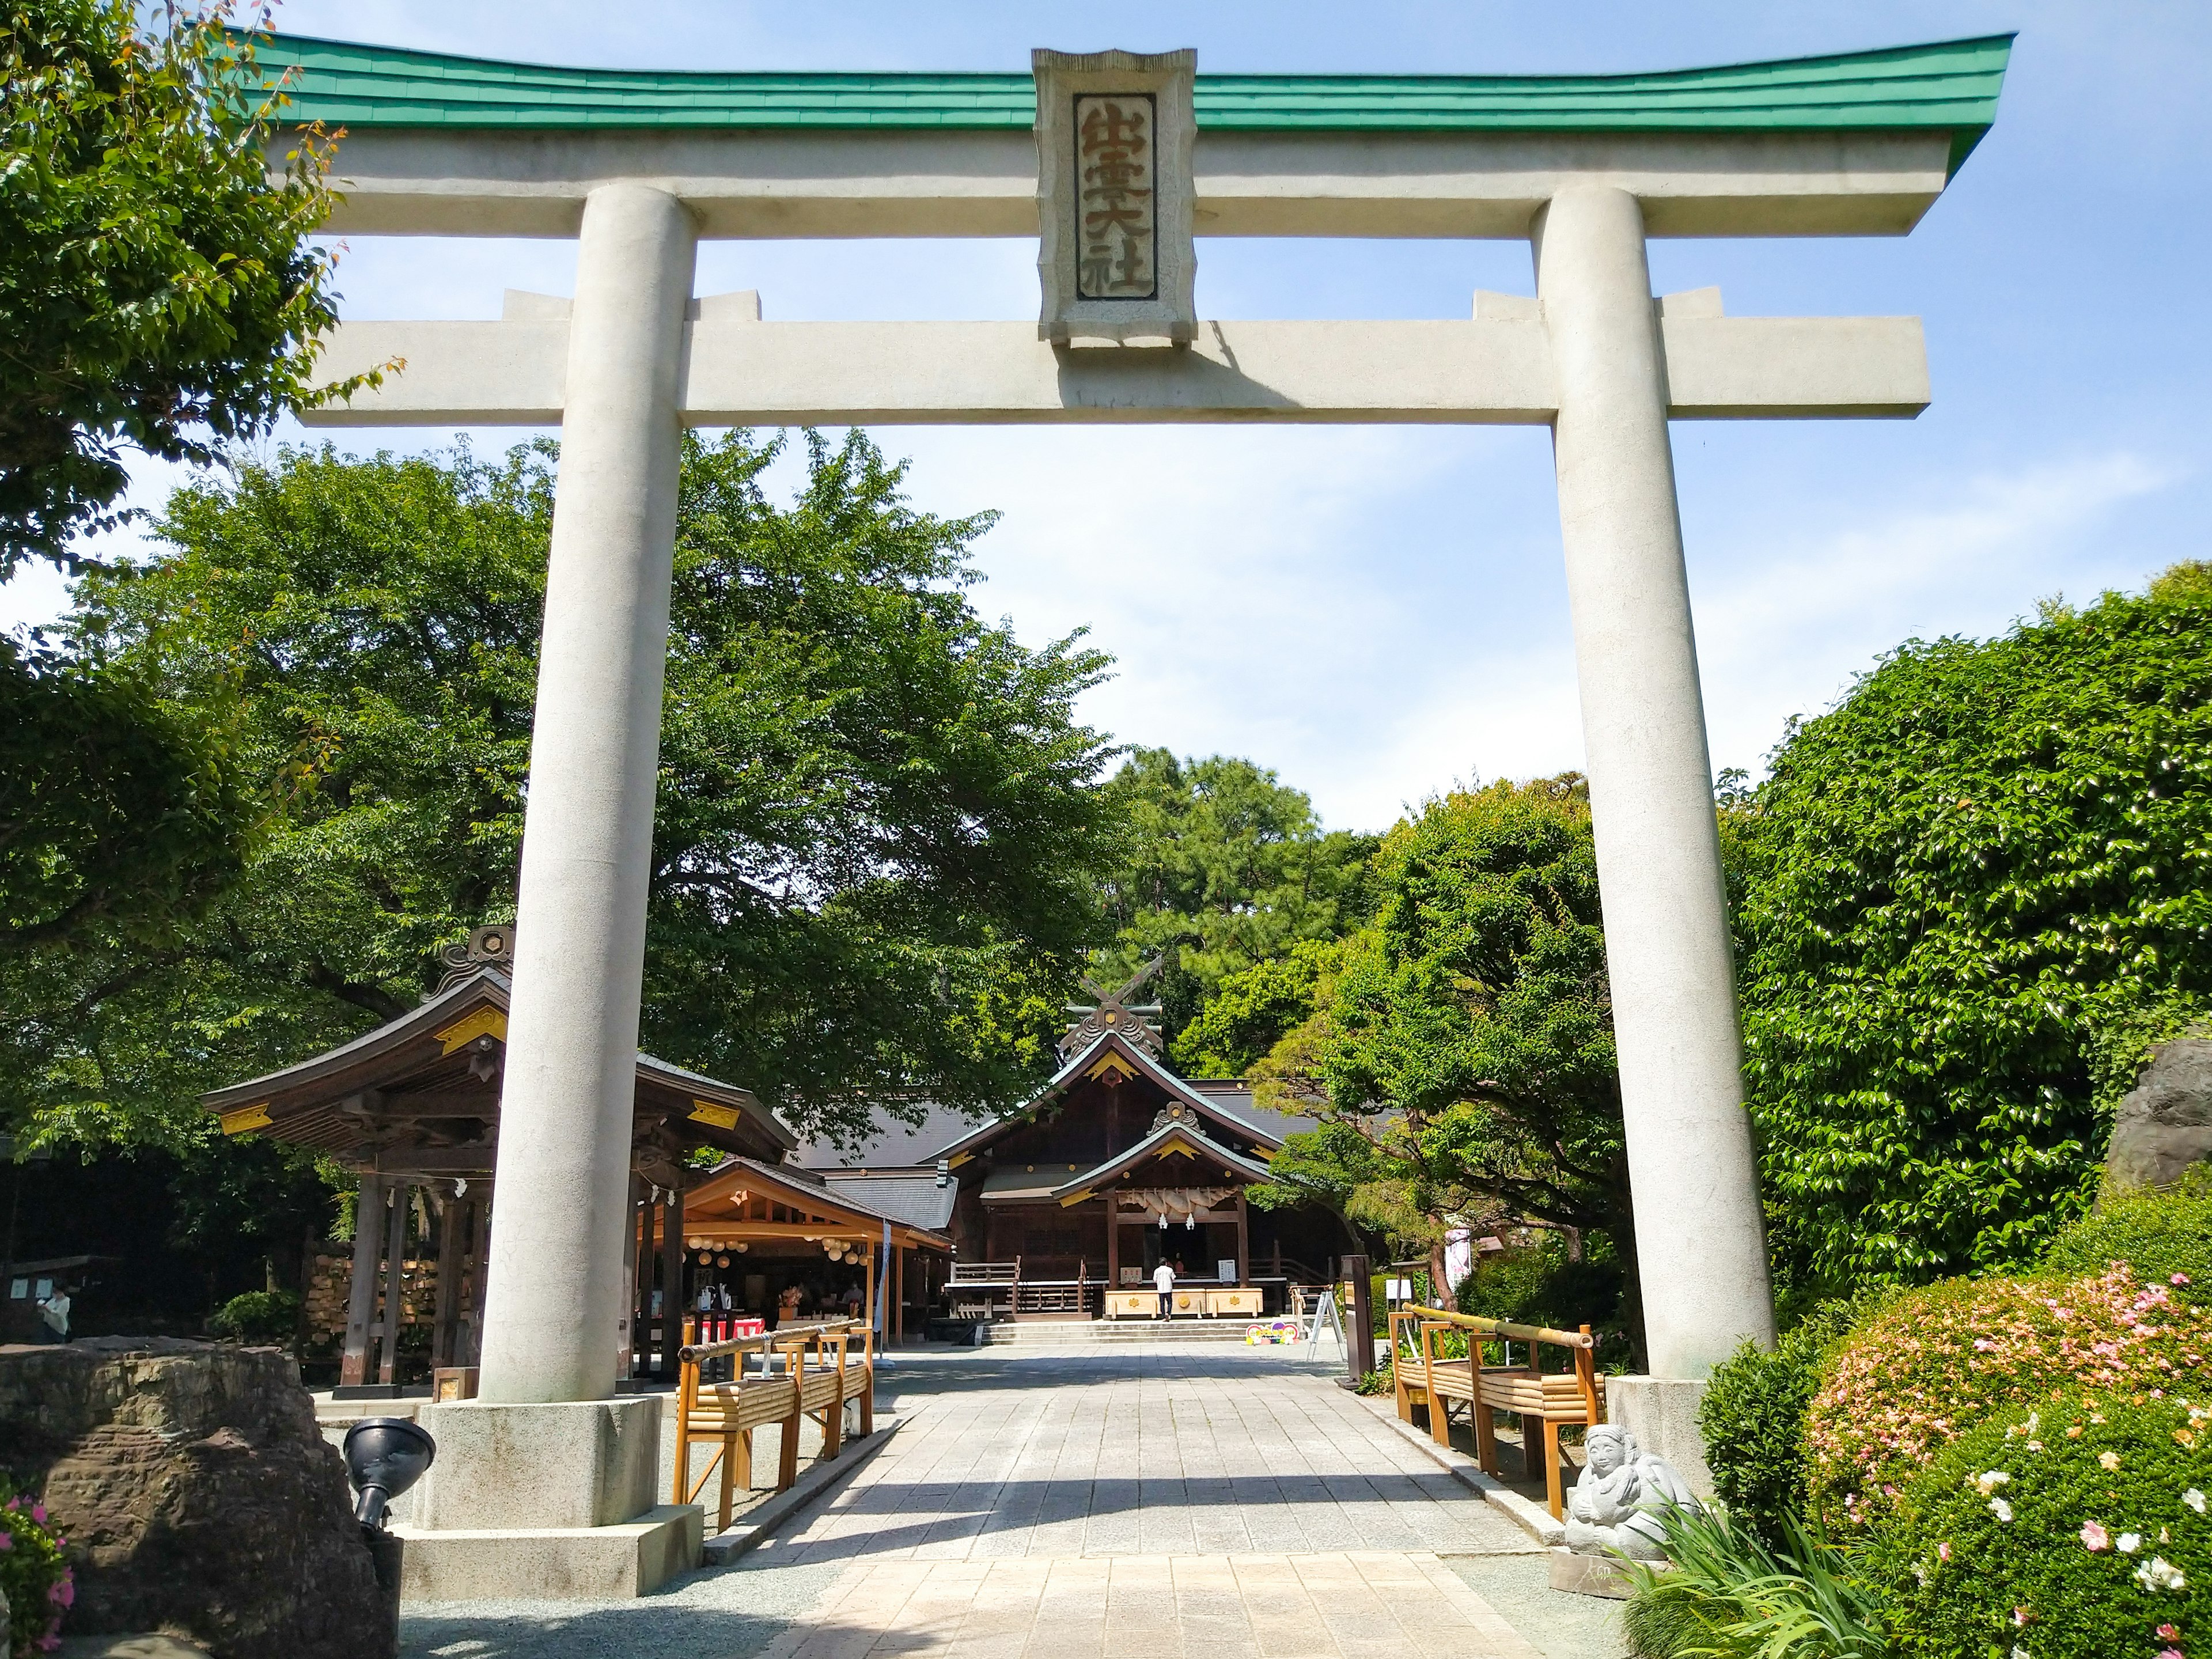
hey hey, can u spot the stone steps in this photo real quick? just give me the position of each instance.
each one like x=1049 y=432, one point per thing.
x=1109 y=1333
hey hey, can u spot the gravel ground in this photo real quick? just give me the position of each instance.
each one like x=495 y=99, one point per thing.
x=1558 y=1624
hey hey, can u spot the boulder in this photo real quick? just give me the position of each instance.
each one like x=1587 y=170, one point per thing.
x=2164 y=1125
x=198 y=1497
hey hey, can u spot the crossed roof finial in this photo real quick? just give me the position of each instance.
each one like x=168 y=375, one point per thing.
x=1115 y=1012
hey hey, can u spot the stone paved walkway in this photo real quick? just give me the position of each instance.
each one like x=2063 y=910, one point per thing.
x=1162 y=1503
x=1155 y=1454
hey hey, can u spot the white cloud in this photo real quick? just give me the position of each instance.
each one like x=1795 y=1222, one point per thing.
x=1785 y=631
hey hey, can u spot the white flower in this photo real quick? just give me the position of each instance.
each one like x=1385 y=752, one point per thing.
x=2159 y=1573
x=2000 y=1508
x=2128 y=1543
x=2019 y=1652
x=1990 y=1481
x=2194 y=1499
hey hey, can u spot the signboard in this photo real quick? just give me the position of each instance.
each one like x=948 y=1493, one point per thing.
x=1114 y=198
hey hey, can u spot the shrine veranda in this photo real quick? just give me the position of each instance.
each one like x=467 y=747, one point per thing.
x=1119 y=164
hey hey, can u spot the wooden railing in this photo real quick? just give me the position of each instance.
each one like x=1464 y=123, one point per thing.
x=986 y=1273
x=1053 y=1296
x=727 y=1413
x=1555 y=1399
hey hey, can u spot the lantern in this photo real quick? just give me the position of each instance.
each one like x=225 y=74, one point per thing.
x=721 y=1262
x=706 y=1258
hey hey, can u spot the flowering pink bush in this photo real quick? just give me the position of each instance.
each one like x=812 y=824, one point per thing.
x=35 y=1576
x=1934 y=1363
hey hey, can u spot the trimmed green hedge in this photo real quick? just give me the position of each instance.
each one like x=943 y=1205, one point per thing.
x=1933 y=1363
x=1752 y=1418
x=2166 y=1236
x=2074 y=1530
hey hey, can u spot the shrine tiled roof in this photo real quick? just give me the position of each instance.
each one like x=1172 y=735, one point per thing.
x=1947 y=86
x=1136 y=1062
x=918 y=1201
x=1180 y=1134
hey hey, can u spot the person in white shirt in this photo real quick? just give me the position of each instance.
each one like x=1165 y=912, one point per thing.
x=55 y=1311
x=1163 y=1282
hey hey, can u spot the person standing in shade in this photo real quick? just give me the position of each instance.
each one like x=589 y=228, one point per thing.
x=55 y=1312
x=1163 y=1282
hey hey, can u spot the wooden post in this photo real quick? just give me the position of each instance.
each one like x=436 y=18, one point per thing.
x=1243 y=1241
x=647 y=1254
x=1359 y=1334
x=1113 y=1240
x=395 y=1287
x=1439 y=1415
x=479 y=1267
x=1586 y=1375
x=868 y=1290
x=898 y=1292
x=445 y=1319
x=626 y=1358
x=361 y=1294
x=671 y=1273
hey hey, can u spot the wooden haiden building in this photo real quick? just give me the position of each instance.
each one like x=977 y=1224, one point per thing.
x=1114 y=1165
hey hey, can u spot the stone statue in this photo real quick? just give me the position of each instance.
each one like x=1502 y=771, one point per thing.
x=1616 y=1500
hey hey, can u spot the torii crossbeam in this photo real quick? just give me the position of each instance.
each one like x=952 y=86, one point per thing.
x=640 y=166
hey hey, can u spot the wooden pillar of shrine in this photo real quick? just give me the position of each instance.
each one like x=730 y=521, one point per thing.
x=361 y=1294
x=899 y=1292
x=626 y=1360
x=445 y=1319
x=471 y=1348
x=395 y=1283
x=1244 y=1240
x=672 y=1276
x=1113 y=1240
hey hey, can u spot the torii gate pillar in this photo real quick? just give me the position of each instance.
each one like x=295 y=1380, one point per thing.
x=554 y=1292
x=1691 y=1162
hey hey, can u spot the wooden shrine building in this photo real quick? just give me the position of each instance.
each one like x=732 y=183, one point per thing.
x=413 y=1108
x=1114 y=1165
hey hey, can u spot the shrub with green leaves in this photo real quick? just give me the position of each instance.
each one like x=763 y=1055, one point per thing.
x=34 y=1575
x=259 y=1317
x=2166 y=1236
x=2072 y=1529
x=1973 y=895
x=1934 y=1364
x=1752 y=1418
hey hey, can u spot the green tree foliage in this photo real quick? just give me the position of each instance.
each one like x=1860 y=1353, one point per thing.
x=1462 y=1049
x=1227 y=867
x=155 y=291
x=122 y=812
x=1973 y=894
x=876 y=844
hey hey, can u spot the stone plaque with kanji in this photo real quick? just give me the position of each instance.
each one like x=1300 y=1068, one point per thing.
x=1114 y=198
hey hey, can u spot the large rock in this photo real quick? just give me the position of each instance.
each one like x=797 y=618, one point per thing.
x=2164 y=1124
x=197 y=1496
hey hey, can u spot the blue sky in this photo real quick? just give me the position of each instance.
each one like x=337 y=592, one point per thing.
x=1379 y=612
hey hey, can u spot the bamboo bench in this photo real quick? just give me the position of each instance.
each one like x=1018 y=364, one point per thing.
x=726 y=1413
x=1554 y=1399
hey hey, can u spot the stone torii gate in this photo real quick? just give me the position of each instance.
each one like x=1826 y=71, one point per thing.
x=1115 y=161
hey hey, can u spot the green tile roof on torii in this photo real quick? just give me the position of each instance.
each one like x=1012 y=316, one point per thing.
x=1950 y=85
x=1854 y=144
